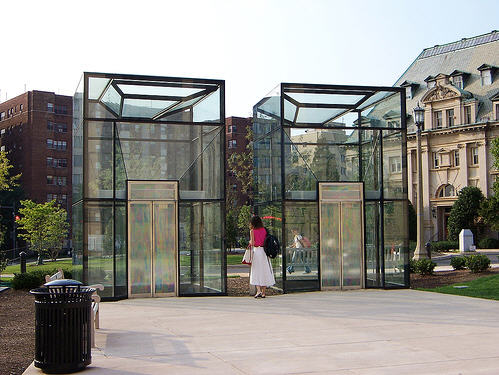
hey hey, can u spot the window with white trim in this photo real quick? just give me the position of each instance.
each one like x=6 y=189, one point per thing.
x=456 y=158
x=474 y=156
x=436 y=159
x=449 y=117
x=437 y=120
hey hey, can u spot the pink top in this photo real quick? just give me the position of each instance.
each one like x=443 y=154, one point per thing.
x=259 y=236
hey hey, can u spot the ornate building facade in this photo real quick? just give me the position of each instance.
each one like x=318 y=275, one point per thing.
x=457 y=84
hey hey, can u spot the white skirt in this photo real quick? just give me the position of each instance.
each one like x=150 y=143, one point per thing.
x=261 y=270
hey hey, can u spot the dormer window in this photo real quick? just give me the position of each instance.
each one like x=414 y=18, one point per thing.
x=458 y=82
x=410 y=88
x=486 y=74
x=430 y=82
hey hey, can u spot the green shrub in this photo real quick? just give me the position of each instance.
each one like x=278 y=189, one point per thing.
x=488 y=243
x=477 y=263
x=458 y=263
x=412 y=266
x=444 y=245
x=425 y=266
x=34 y=279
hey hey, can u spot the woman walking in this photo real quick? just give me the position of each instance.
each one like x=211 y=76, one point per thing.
x=261 y=274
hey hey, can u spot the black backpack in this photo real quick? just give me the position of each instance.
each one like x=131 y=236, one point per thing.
x=271 y=245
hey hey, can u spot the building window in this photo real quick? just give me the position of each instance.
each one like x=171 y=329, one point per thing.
x=474 y=156
x=497 y=111
x=50 y=125
x=467 y=114
x=232 y=143
x=395 y=164
x=458 y=81
x=2 y=116
x=61 y=181
x=61 y=128
x=61 y=109
x=447 y=191
x=50 y=144
x=437 y=120
x=21 y=107
x=456 y=158
x=393 y=124
x=50 y=107
x=436 y=160
x=232 y=129
x=486 y=77
x=450 y=117
x=50 y=180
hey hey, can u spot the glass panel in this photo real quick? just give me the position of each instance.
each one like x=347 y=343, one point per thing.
x=267 y=167
x=120 y=252
x=351 y=241
x=271 y=215
x=99 y=222
x=77 y=233
x=208 y=109
x=289 y=111
x=165 y=230
x=340 y=192
x=99 y=110
x=371 y=164
x=204 y=178
x=152 y=190
x=96 y=86
x=382 y=110
x=139 y=266
x=330 y=245
x=144 y=108
x=99 y=160
x=112 y=100
x=373 y=235
x=119 y=172
x=393 y=176
x=200 y=248
x=396 y=242
x=324 y=98
x=185 y=104
x=316 y=115
x=302 y=237
x=132 y=89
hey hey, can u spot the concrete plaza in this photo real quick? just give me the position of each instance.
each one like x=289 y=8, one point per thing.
x=356 y=332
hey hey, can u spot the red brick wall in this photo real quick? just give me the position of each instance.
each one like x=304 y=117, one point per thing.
x=241 y=124
x=26 y=137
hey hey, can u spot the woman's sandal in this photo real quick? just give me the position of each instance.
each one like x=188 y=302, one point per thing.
x=259 y=295
x=262 y=296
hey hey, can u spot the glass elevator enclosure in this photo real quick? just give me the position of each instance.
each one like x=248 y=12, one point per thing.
x=330 y=174
x=148 y=185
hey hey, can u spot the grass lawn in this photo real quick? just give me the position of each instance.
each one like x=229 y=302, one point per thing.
x=65 y=264
x=233 y=259
x=483 y=287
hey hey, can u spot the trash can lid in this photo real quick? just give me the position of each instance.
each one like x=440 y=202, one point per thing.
x=63 y=282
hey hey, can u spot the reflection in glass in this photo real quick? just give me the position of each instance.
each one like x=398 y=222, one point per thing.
x=396 y=242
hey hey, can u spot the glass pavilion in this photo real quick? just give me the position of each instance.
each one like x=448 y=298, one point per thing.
x=148 y=185
x=330 y=167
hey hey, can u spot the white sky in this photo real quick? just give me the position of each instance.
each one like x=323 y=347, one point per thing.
x=253 y=45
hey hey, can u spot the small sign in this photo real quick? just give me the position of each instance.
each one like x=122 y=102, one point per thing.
x=460 y=286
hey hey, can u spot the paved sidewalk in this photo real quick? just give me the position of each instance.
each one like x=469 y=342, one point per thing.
x=337 y=333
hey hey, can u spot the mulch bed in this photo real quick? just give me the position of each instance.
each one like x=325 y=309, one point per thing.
x=17 y=331
x=443 y=278
x=17 y=314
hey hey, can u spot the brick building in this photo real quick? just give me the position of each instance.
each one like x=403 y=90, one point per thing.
x=235 y=136
x=35 y=128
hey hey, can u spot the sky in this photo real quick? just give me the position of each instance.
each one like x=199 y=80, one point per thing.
x=252 y=45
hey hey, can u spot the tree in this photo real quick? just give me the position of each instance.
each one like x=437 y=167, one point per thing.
x=45 y=227
x=464 y=212
x=243 y=221
x=241 y=165
x=489 y=210
x=231 y=229
x=7 y=182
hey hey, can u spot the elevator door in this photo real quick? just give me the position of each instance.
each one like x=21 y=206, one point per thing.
x=341 y=235
x=152 y=234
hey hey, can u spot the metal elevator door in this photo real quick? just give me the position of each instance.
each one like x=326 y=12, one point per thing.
x=152 y=239
x=341 y=235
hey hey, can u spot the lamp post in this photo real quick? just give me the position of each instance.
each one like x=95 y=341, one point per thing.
x=420 y=251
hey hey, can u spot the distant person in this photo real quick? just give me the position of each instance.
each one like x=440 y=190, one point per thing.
x=261 y=273
x=299 y=243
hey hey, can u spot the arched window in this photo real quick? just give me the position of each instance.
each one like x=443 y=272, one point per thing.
x=446 y=191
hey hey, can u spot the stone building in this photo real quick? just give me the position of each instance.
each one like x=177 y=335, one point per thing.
x=457 y=84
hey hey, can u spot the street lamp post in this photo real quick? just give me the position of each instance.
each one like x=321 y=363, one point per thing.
x=420 y=251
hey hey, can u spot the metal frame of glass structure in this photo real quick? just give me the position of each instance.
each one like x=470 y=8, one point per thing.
x=149 y=129
x=307 y=134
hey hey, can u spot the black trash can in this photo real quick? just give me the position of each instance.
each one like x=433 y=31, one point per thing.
x=63 y=326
